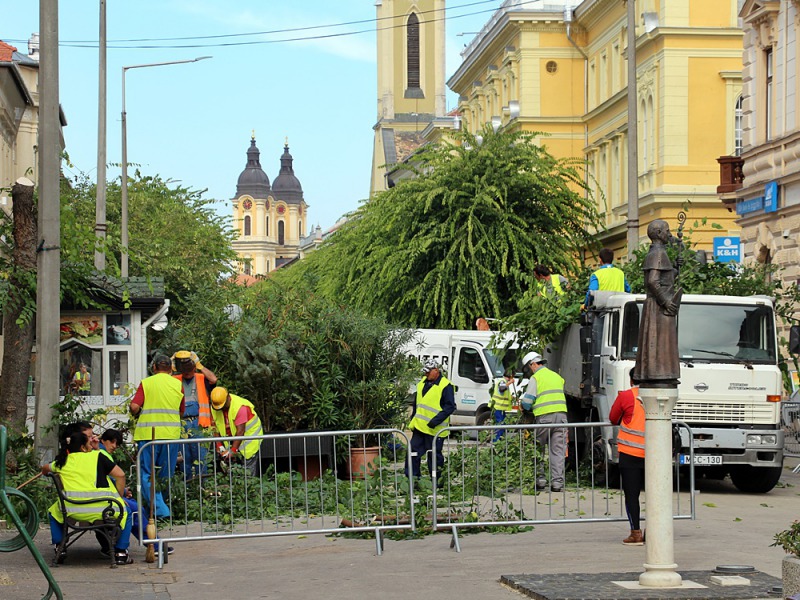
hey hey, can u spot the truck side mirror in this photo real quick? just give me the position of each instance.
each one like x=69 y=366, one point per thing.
x=794 y=339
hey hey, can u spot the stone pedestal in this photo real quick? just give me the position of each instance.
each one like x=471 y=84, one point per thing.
x=790 y=572
x=660 y=566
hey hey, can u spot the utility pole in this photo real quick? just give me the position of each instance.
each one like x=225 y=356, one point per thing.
x=49 y=255
x=633 y=136
x=100 y=207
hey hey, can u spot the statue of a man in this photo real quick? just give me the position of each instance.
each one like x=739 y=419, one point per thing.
x=657 y=360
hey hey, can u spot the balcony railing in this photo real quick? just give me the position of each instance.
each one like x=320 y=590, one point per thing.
x=730 y=174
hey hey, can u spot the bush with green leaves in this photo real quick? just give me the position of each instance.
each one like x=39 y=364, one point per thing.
x=789 y=539
x=309 y=364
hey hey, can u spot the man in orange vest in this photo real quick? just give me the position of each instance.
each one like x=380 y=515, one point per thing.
x=197 y=384
x=628 y=413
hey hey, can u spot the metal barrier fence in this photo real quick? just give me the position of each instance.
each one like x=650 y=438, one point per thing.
x=502 y=476
x=297 y=483
x=790 y=423
x=356 y=481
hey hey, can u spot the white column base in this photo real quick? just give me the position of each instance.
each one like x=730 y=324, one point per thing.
x=660 y=576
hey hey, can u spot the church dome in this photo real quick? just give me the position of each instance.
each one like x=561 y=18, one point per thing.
x=286 y=186
x=253 y=181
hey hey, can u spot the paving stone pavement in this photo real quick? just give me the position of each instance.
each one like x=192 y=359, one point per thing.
x=731 y=528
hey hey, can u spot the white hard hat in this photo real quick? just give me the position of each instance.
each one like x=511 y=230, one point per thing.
x=532 y=357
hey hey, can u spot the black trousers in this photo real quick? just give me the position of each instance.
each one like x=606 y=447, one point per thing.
x=631 y=473
x=422 y=444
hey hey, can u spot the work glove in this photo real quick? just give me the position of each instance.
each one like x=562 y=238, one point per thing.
x=196 y=360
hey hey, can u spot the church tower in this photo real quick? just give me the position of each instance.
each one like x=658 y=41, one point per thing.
x=411 y=79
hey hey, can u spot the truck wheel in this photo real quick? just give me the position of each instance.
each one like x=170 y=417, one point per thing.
x=483 y=418
x=755 y=480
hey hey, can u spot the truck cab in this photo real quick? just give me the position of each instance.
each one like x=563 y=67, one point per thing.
x=730 y=384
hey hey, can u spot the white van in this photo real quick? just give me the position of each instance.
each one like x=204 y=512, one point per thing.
x=470 y=365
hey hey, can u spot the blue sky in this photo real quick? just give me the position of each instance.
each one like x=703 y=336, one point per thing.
x=192 y=122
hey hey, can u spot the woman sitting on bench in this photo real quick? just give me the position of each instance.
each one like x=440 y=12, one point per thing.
x=85 y=472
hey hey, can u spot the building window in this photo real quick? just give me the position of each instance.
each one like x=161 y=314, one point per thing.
x=247 y=225
x=644 y=126
x=266 y=226
x=280 y=233
x=412 y=51
x=247 y=267
x=738 y=140
x=299 y=230
x=768 y=93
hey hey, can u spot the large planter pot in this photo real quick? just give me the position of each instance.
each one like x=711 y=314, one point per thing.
x=362 y=461
x=790 y=572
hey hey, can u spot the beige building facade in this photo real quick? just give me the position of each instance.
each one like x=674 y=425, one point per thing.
x=767 y=201
x=411 y=80
x=562 y=70
x=271 y=219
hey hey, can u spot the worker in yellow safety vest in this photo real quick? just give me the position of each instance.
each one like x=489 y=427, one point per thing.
x=607 y=277
x=85 y=476
x=501 y=402
x=545 y=397
x=549 y=283
x=197 y=382
x=235 y=416
x=158 y=404
x=434 y=402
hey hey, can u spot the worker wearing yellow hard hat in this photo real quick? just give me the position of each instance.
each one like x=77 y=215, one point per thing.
x=235 y=416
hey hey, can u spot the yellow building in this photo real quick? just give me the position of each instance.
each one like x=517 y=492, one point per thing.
x=271 y=220
x=766 y=192
x=411 y=90
x=563 y=72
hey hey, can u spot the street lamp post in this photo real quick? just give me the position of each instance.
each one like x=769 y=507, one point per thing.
x=124 y=189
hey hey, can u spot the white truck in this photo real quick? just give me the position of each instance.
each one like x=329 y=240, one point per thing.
x=730 y=385
x=470 y=365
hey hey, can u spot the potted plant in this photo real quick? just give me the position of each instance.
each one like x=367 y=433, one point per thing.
x=789 y=540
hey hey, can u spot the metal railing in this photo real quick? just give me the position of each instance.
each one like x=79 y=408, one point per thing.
x=790 y=423
x=304 y=483
x=490 y=480
x=357 y=481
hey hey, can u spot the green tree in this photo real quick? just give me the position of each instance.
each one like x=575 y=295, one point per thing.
x=454 y=242
x=174 y=233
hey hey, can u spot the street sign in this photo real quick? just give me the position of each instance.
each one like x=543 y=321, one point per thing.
x=771 y=197
x=748 y=206
x=726 y=249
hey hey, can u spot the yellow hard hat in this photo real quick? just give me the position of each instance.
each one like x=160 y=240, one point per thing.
x=218 y=397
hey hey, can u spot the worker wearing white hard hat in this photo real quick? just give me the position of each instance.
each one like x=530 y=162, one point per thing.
x=545 y=397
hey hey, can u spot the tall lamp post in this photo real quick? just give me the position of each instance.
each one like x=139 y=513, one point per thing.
x=124 y=190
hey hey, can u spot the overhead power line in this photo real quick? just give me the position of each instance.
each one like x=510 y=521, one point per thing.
x=93 y=44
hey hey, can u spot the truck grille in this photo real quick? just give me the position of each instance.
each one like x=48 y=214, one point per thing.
x=734 y=412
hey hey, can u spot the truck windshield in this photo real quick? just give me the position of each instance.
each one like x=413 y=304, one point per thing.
x=719 y=333
x=494 y=362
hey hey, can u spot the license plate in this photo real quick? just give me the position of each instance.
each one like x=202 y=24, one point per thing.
x=702 y=459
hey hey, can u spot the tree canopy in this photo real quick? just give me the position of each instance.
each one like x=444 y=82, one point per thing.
x=457 y=240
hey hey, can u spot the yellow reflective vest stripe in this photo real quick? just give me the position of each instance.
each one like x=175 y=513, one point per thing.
x=501 y=400
x=610 y=279
x=428 y=406
x=550 y=396
x=248 y=448
x=161 y=409
x=79 y=477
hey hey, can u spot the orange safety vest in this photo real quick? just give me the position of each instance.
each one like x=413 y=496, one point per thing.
x=630 y=438
x=204 y=417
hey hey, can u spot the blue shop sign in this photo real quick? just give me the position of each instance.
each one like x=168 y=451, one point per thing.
x=726 y=249
x=771 y=197
x=748 y=206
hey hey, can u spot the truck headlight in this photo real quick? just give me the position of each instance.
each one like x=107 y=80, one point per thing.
x=759 y=439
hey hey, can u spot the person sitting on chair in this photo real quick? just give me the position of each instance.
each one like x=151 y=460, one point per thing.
x=86 y=472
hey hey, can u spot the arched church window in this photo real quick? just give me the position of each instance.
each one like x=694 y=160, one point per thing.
x=281 y=241
x=247 y=225
x=412 y=50
x=299 y=229
x=266 y=226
